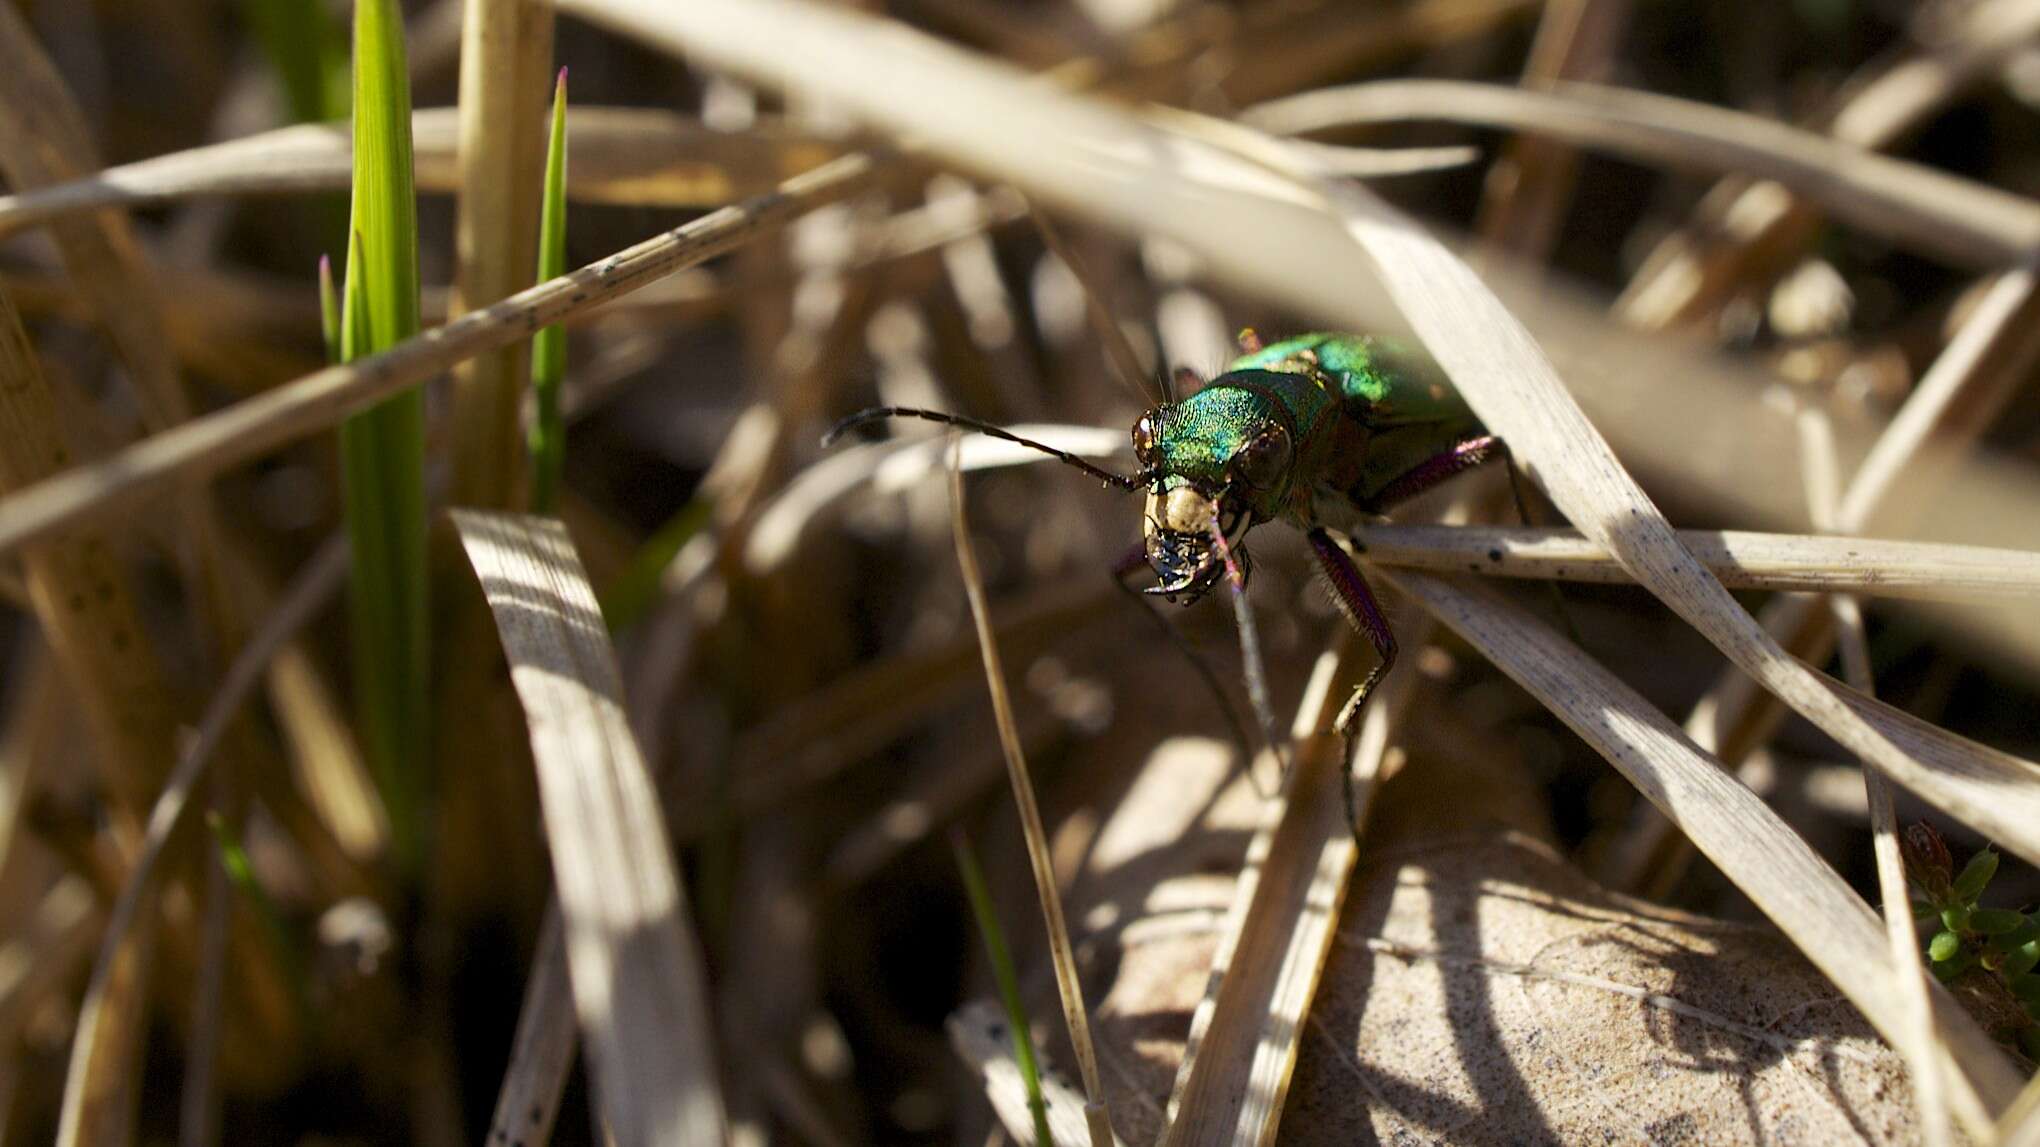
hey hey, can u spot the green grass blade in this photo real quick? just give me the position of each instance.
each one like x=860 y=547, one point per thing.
x=549 y=346
x=241 y=878
x=383 y=449
x=625 y=599
x=1009 y=983
x=308 y=56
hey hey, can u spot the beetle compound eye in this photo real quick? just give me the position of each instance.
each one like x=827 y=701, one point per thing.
x=1264 y=459
x=1144 y=437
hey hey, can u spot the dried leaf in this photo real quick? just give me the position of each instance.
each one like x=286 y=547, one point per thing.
x=632 y=957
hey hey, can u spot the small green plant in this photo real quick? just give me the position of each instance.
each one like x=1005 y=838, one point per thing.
x=1008 y=980
x=549 y=346
x=382 y=449
x=2001 y=943
x=241 y=878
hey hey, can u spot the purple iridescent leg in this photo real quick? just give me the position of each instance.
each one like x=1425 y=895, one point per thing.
x=1463 y=456
x=1356 y=601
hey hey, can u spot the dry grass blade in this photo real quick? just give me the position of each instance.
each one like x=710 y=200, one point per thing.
x=127 y=926
x=1245 y=1033
x=1939 y=213
x=1067 y=984
x=320 y=400
x=1771 y=864
x=1696 y=268
x=1961 y=394
x=1823 y=486
x=1943 y=417
x=1742 y=560
x=627 y=156
x=1524 y=197
x=1512 y=386
x=505 y=55
x=981 y=1037
x=631 y=953
x=44 y=140
x=542 y=1052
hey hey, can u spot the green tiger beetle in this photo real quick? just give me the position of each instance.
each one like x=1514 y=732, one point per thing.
x=1310 y=430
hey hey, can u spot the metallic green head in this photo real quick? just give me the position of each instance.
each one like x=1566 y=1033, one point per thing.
x=1216 y=463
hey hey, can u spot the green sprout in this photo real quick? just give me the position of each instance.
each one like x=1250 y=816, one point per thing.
x=1964 y=936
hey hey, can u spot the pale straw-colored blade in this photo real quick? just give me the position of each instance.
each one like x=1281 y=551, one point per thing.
x=632 y=956
x=1938 y=213
x=542 y=1051
x=1873 y=567
x=641 y=157
x=321 y=400
x=1769 y=862
x=981 y=1036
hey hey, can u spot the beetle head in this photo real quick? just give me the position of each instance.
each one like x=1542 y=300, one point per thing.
x=1215 y=465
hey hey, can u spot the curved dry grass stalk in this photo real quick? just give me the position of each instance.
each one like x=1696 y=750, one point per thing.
x=640 y=157
x=1284 y=916
x=1941 y=214
x=1784 y=877
x=542 y=1052
x=321 y=400
x=632 y=957
x=1512 y=386
x=1696 y=268
x=127 y=929
x=1823 y=496
x=1740 y=559
x=1943 y=418
x=1063 y=955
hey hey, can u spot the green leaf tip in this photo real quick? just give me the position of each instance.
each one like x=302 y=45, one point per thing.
x=1008 y=979
x=549 y=346
x=1976 y=875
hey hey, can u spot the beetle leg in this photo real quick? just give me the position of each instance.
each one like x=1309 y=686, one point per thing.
x=1356 y=601
x=1132 y=562
x=1463 y=455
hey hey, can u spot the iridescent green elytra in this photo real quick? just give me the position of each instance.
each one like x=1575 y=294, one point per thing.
x=1296 y=430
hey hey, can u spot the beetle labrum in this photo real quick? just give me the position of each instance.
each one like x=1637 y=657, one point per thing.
x=1308 y=430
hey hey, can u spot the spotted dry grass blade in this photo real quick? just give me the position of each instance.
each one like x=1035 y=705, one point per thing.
x=1742 y=560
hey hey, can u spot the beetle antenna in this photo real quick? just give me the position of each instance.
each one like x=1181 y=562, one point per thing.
x=879 y=413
